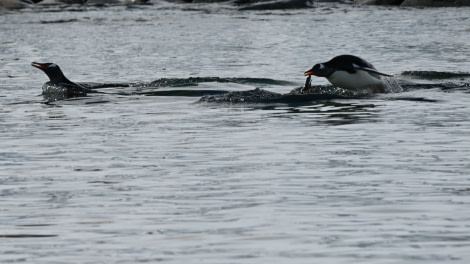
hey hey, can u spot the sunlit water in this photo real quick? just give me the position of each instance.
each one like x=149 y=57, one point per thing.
x=147 y=173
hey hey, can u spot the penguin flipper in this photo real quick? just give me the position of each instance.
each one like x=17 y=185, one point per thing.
x=370 y=70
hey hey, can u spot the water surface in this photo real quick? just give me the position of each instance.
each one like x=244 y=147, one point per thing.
x=150 y=172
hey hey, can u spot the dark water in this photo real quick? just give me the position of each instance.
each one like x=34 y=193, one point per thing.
x=199 y=148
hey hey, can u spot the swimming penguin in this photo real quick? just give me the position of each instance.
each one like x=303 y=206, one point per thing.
x=58 y=83
x=351 y=73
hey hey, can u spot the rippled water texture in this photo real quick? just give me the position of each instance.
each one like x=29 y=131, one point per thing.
x=165 y=165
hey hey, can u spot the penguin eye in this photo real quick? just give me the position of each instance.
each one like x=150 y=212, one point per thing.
x=321 y=66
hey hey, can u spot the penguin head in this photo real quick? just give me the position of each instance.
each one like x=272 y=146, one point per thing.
x=52 y=70
x=320 y=70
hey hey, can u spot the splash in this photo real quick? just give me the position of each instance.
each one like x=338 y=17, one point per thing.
x=214 y=90
x=391 y=85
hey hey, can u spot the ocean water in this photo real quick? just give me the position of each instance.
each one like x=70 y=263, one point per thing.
x=195 y=151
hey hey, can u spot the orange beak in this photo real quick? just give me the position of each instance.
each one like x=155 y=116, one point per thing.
x=308 y=73
x=38 y=65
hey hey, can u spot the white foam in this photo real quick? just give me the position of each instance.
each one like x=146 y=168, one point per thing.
x=391 y=85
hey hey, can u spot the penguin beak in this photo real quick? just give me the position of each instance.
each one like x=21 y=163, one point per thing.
x=309 y=72
x=38 y=65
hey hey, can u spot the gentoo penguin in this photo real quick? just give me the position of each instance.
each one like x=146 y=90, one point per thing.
x=351 y=73
x=58 y=83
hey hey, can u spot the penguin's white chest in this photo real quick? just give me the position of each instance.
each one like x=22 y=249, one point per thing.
x=354 y=81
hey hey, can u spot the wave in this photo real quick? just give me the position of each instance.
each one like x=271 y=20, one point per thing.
x=196 y=80
x=191 y=87
x=186 y=82
x=397 y=84
x=446 y=81
x=263 y=96
x=435 y=75
x=257 y=90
